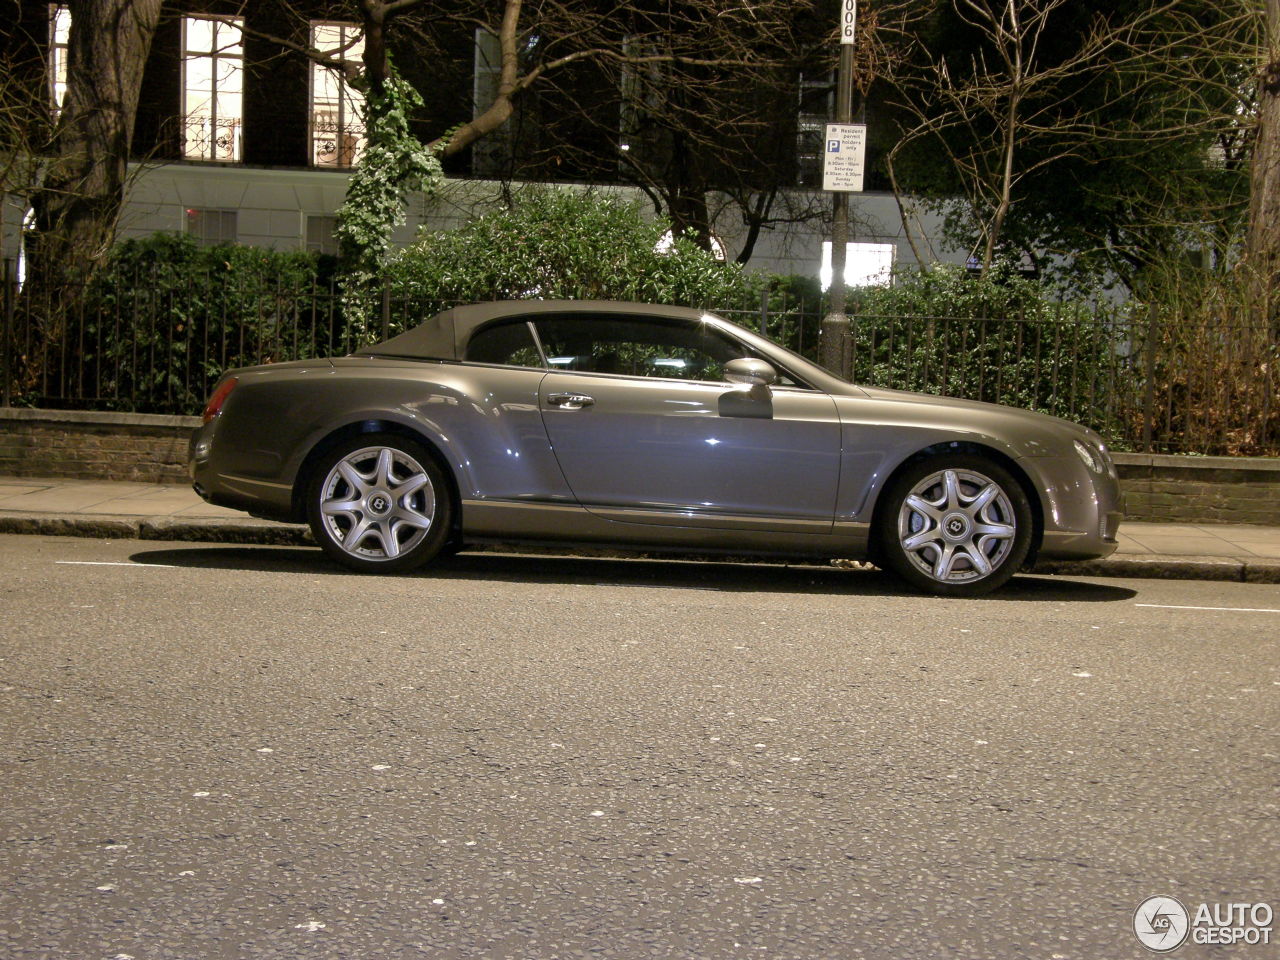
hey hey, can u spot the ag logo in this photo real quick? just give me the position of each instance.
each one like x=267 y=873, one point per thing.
x=1161 y=924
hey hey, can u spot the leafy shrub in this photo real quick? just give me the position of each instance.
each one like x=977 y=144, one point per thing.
x=166 y=317
x=1000 y=338
x=786 y=308
x=557 y=244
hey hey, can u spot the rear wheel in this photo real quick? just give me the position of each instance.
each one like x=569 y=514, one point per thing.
x=379 y=504
x=956 y=525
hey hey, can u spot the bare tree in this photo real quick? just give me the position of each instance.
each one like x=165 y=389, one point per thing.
x=25 y=129
x=1019 y=102
x=685 y=97
x=697 y=101
x=504 y=20
x=78 y=196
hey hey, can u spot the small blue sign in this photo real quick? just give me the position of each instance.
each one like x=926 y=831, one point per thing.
x=833 y=146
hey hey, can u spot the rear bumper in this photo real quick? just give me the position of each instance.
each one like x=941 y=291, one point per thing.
x=258 y=498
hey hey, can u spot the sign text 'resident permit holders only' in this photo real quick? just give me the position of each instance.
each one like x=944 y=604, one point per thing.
x=844 y=157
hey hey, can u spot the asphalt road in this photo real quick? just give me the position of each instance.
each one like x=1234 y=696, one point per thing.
x=214 y=752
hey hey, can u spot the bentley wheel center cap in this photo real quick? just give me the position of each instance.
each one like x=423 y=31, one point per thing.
x=380 y=504
x=955 y=526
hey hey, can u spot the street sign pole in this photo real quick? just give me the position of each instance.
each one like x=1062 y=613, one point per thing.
x=834 y=333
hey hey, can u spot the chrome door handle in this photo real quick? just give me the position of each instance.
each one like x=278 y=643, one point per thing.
x=570 y=401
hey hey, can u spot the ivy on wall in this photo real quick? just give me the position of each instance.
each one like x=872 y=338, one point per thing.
x=394 y=164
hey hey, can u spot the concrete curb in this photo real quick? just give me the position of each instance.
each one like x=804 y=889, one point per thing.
x=1168 y=568
x=282 y=534
x=135 y=528
x=227 y=531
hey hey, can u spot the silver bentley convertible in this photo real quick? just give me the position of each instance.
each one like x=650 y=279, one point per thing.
x=646 y=427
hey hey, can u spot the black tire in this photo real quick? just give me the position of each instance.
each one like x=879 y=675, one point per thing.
x=379 y=503
x=955 y=525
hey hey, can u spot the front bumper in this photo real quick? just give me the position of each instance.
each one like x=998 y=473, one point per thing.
x=1081 y=508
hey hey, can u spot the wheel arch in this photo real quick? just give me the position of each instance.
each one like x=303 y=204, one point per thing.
x=975 y=449
x=342 y=434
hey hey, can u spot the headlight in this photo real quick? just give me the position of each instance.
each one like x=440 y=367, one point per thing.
x=1108 y=463
x=1092 y=459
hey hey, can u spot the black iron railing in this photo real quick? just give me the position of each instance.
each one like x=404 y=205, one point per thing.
x=1145 y=383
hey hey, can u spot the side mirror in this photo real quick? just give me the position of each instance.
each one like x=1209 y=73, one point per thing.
x=751 y=371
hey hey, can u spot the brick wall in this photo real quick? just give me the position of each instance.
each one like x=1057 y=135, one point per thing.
x=101 y=446
x=1207 y=489
x=140 y=447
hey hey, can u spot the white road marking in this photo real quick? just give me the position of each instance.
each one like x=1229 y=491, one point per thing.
x=1174 y=606
x=110 y=563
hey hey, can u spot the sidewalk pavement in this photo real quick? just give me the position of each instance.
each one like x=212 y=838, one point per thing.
x=149 y=511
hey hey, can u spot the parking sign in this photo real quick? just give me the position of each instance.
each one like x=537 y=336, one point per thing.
x=845 y=157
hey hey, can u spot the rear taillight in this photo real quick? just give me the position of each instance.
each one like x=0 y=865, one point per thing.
x=214 y=406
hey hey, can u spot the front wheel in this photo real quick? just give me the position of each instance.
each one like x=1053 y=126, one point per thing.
x=379 y=504
x=959 y=526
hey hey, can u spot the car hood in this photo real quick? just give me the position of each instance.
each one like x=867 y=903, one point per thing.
x=1030 y=433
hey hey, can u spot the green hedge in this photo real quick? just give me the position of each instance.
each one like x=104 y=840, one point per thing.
x=555 y=244
x=1000 y=338
x=166 y=317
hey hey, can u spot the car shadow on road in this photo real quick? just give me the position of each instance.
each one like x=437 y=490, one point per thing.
x=661 y=573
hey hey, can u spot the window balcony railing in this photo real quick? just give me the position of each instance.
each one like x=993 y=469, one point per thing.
x=211 y=138
x=335 y=144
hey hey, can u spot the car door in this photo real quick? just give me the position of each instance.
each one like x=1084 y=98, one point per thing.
x=646 y=431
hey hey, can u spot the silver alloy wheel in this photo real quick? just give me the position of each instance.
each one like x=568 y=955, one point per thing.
x=957 y=526
x=377 y=503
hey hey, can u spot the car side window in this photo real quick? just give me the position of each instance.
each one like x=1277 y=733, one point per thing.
x=510 y=344
x=650 y=347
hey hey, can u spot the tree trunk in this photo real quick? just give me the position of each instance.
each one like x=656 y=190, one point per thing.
x=756 y=214
x=77 y=201
x=1005 y=201
x=690 y=214
x=1263 y=242
x=686 y=189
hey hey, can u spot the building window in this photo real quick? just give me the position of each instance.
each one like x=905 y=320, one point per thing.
x=320 y=234
x=59 y=38
x=492 y=155
x=212 y=84
x=865 y=265
x=211 y=227
x=337 y=110
x=816 y=105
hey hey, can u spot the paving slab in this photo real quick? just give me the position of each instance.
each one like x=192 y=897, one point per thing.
x=18 y=488
x=1192 y=545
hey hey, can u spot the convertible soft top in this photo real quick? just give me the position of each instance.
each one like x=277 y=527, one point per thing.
x=433 y=340
x=445 y=336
